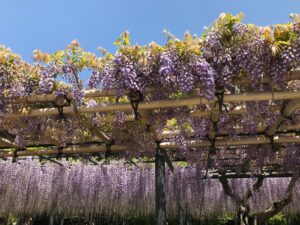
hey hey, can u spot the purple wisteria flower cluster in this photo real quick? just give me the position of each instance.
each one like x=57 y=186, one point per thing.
x=72 y=189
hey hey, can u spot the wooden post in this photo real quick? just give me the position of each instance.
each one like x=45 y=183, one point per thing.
x=160 y=198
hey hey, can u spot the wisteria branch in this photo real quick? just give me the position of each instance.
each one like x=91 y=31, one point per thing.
x=276 y=207
x=255 y=187
x=227 y=190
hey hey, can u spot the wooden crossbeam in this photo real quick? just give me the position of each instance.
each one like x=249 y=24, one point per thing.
x=97 y=132
x=99 y=137
x=168 y=134
x=232 y=175
x=66 y=151
x=164 y=145
x=194 y=114
x=7 y=143
x=287 y=111
x=160 y=104
x=295 y=75
x=240 y=142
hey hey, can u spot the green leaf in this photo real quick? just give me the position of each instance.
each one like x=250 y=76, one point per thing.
x=126 y=38
x=283 y=42
x=118 y=41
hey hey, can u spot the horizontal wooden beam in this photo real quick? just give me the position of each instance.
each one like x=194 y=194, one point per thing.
x=160 y=104
x=239 y=131
x=250 y=175
x=164 y=145
x=239 y=142
x=68 y=150
x=207 y=113
x=165 y=134
x=7 y=143
x=295 y=75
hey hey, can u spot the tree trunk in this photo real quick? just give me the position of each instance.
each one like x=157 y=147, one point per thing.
x=245 y=217
x=160 y=198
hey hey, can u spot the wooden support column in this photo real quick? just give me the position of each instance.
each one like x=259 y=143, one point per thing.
x=160 y=159
x=160 y=198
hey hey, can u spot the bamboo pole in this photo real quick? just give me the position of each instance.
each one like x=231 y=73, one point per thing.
x=195 y=114
x=168 y=134
x=52 y=97
x=160 y=104
x=96 y=131
x=163 y=145
x=287 y=111
x=165 y=134
x=6 y=143
x=272 y=174
x=295 y=75
x=67 y=151
x=33 y=143
x=228 y=142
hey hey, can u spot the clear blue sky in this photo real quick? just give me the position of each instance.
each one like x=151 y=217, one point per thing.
x=50 y=25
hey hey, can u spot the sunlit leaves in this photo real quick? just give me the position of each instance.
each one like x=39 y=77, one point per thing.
x=188 y=67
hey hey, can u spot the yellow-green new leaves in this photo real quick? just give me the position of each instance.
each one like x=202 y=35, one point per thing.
x=279 y=36
x=124 y=39
x=73 y=55
x=226 y=21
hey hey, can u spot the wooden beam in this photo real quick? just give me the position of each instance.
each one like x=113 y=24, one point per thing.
x=233 y=175
x=96 y=131
x=66 y=151
x=295 y=75
x=7 y=143
x=227 y=142
x=287 y=111
x=195 y=114
x=168 y=134
x=160 y=104
x=164 y=145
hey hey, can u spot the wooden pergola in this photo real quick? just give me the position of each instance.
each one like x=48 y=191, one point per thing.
x=100 y=142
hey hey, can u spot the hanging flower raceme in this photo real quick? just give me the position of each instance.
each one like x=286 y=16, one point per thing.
x=29 y=188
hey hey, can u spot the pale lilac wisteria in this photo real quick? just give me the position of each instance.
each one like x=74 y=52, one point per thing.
x=230 y=57
x=72 y=189
x=230 y=61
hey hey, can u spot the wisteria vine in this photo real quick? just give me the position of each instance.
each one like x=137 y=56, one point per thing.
x=230 y=56
x=31 y=189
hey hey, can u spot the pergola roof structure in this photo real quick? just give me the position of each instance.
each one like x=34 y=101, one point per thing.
x=285 y=103
x=228 y=101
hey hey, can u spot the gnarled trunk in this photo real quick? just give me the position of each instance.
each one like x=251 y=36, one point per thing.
x=245 y=217
x=160 y=198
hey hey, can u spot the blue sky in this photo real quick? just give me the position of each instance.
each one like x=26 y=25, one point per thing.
x=50 y=25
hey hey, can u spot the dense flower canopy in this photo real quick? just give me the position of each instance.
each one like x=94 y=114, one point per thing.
x=230 y=58
x=75 y=189
x=225 y=102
